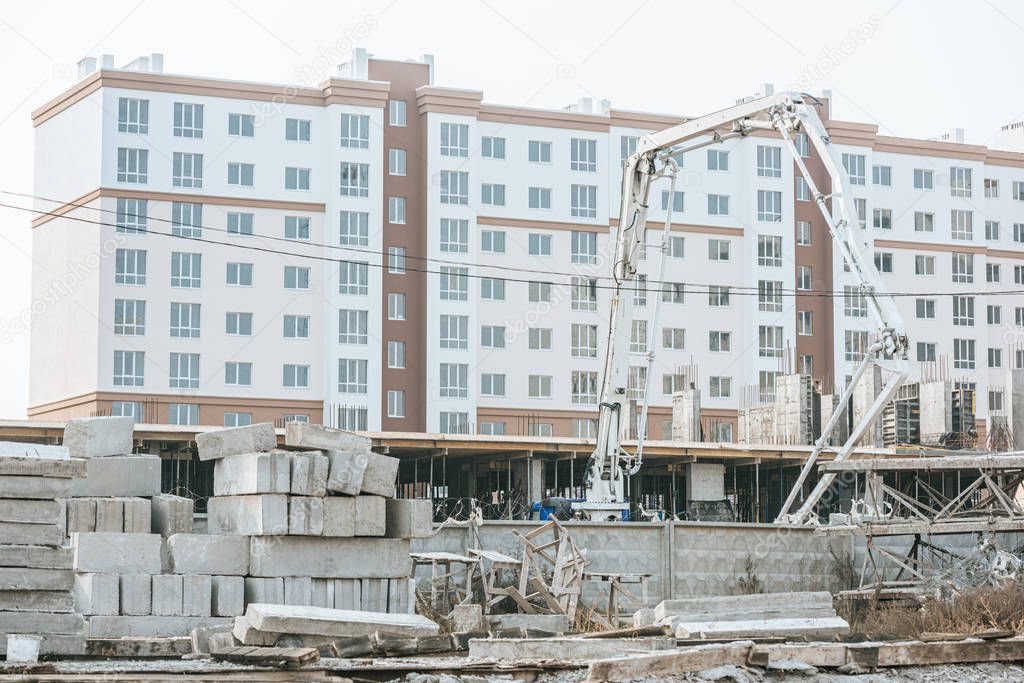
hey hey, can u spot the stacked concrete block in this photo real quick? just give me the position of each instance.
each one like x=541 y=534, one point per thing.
x=37 y=580
x=171 y=514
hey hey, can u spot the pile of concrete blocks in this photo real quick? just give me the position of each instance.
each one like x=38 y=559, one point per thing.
x=324 y=529
x=36 y=576
x=808 y=613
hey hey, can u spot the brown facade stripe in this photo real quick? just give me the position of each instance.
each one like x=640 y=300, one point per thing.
x=334 y=91
x=539 y=225
x=313 y=207
x=637 y=119
x=543 y=117
x=924 y=246
x=239 y=402
x=448 y=101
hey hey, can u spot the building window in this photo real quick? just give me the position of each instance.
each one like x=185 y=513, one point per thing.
x=492 y=428
x=492 y=147
x=396 y=403
x=583 y=201
x=992 y=272
x=492 y=241
x=720 y=387
x=881 y=175
x=862 y=211
x=187 y=170
x=856 y=344
x=718 y=204
x=803 y=190
x=1018 y=232
x=539 y=245
x=718 y=250
x=995 y=358
x=396 y=306
x=352 y=327
x=188 y=120
x=963 y=267
x=396 y=260
x=925 y=309
x=354 y=228
x=584 y=247
x=719 y=341
x=237 y=419
x=584 y=340
x=492 y=384
x=454 y=139
x=963 y=354
x=130 y=267
x=769 y=341
x=769 y=161
x=129 y=317
x=803 y=233
x=539 y=151
x=298 y=179
x=355 y=131
x=539 y=339
x=396 y=210
x=454 y=235
x=584 y=293
x=132 y=115
x=296 y=227
x=539 y=292
x=718 y=296
x=963 y=311
x=883 y=261
x=129 y=368
x=539 y=197
x=352 y=418
x=924 y=179
x=352 y=376
x=672 y=292
x=924 y=222
x=187 y=219
x=296 y=376
x=184 y=371
x=638 y=336
x=396 y=354
x=807 y=365
x=718 y=160
x=673 y=338
x=962 y=224
x=583 y=155
x=238 y=324
x=132 y=165
x=854 y=165
x=396 y=112
x=582 y=428
x=355 y=180
x=454 y=422
x=926 y=352
x=584 y=387
x=296 y=277
x=454 y=283
x=454 y=380
x=239 y=223
x=297 y=130
x=994 y=314
x=454 y=187
x=353 y=278
x=296 y=326
x=454 y=332
x=538 y=386
x=492 y=289
x=239 y=274
x=183 y=413
x=186 y=270
x=959 y=181
x=242 y=125
x=677 y=201
x=881 y=219
x=769 y=206
x=924 y=265
x=132 y=409
x=855 y=304
x=991 y=188
x=769 y=295
x=769 y=251
x=184 y=320
x=238 y=374
x=131 y=215
x=396 y=162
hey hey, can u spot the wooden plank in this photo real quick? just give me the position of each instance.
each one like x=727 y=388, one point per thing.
x=269 y=655
x=961 y=652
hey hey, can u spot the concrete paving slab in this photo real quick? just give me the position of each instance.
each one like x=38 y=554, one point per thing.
x=41 y=623
x=36 y=601
x=119 y=475
x=118 y=553
x=49 y=488
x=30 y=511
x=37 y=556
x=32 y=579
x=308 y=435
x=149 y=627
x=18 y=533
x=321 y=621
x=236 y=440
x=96 y=437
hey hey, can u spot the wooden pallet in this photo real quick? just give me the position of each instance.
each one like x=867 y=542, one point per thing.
x=275 y=656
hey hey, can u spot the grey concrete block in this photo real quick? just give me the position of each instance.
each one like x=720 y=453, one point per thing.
x=307 y=435
x=17 y=533
x=81 y=515
x=250 y=473
x=137 y=516
x=329 y=557
x=245 y=633
x=95 y=437
x=56 y=645
x=346 y=471
x=167 y=595
x=136 y=594
x=227 y=598
x=235 y=441
x=35 y=451
x=468 y=617
x=30 y=579
x=36 y=601
x=150 y=627
x=380 y=475
x=127 y=553
x=37 y=556
x=401 y=596
x=339 y=516
x=305 y=516
x=563 y=649
x=258 y=515
x=172 y=514
x=110 y=515
x=298 y=590
x=268 y=590
x=41 y=623
x=321 y=621
x=30 y=511
x=49 y=488
x=552 y=623
x=196 y=595
x=120 y=475
x=205 y=639
x=409 y=518
x=309 y=473
x=97 y=594
x=374 y=595
x=370 y=516
x=322 y=592
x=348 y=593
x=208 y=554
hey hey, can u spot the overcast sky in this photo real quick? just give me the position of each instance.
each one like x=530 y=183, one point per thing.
x=916 y=68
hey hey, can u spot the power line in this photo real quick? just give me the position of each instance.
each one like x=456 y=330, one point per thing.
x=688 y=287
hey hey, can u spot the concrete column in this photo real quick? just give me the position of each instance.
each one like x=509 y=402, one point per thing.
x=705 y=481
x=1013 y=400
x=686 y=415
x=535 y=480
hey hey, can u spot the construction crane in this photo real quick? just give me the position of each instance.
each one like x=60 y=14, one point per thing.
x=656 y=158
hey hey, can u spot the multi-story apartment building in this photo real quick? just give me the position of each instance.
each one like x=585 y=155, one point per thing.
x=381 y=253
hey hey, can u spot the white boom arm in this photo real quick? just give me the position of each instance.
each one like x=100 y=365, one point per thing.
x=654 y=158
